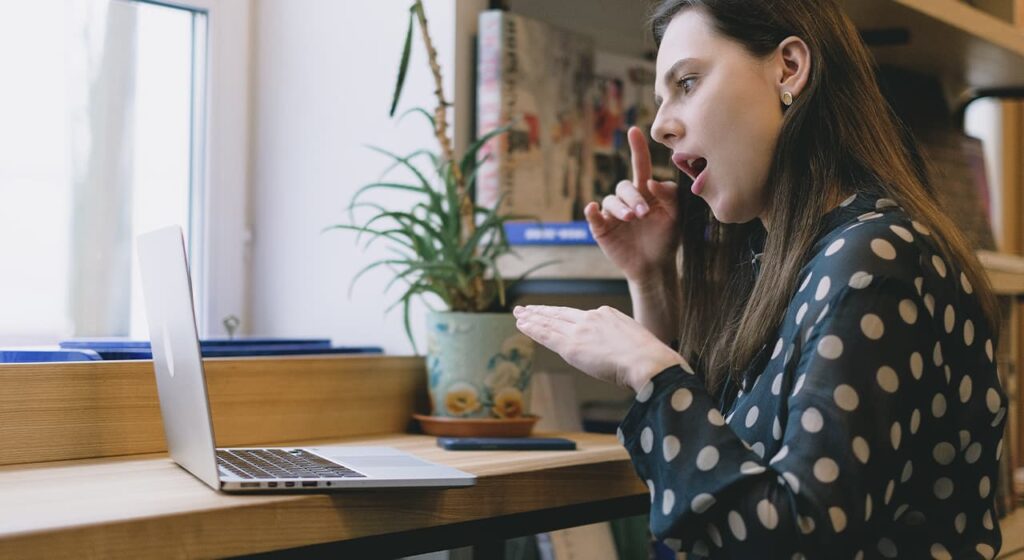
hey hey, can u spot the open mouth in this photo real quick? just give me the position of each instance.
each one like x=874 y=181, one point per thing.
x=691 y=165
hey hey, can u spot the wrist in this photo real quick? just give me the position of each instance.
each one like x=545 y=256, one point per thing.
x=655 y=281
x=647 y=369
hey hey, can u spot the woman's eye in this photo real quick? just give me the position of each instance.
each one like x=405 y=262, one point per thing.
x=687 y=83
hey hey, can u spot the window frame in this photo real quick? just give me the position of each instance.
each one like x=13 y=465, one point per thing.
x=220 y=221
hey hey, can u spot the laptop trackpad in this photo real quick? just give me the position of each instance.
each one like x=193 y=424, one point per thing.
x=378 y=461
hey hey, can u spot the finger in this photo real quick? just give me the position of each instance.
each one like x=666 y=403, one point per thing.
x=641 y=157
x=543 y=333
x=667 y=195
x=628 y=193
x=560 y=313
x=599 y=224
x=618 y=209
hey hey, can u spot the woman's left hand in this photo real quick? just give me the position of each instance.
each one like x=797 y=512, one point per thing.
x=603 y=343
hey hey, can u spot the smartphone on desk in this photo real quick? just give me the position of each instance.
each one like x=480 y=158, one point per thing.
x=499 y=443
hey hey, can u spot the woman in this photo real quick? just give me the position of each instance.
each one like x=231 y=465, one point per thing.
x=817 y=378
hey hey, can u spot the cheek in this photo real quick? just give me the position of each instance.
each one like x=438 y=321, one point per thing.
x=749 y=129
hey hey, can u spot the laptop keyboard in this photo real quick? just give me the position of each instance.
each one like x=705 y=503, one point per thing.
x=278 y=463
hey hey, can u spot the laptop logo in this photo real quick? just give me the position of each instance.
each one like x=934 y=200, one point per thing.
x=168 y=353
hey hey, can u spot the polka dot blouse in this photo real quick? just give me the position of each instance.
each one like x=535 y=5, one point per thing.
x=871 y=428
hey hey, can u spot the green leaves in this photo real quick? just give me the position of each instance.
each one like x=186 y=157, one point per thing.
x=404 y=65
x=442 y=245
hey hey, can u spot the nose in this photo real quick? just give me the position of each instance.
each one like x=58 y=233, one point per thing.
x=667 y=129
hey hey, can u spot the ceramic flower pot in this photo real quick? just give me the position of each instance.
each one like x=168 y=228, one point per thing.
x=478 y=365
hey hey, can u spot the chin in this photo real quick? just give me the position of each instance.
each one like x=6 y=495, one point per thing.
x=723 y=211
x=728 y=214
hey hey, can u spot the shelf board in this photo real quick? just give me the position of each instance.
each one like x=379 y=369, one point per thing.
x=576 y=262
x=964 y=46
x=586 y=262
x=1005 y=272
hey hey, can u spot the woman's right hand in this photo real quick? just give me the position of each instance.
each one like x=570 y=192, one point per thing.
x=636 y=226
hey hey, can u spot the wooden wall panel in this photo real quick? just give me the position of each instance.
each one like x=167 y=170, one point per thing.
x=52 y=412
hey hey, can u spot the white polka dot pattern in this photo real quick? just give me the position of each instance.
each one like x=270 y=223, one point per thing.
x=681 y=399
x=846 y=397
x=647 y=439
x=823 y=287
x=645 y=392
x=707 y=458
x=860 y=280
x=767 y=513
x=880 y=378
x=670 y=447
x=835 y=247
x=883 y=249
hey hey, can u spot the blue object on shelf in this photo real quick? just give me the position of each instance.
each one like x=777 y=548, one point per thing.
x=127 y=349
x=549 y=233
x=125 y=343
x=31 y=355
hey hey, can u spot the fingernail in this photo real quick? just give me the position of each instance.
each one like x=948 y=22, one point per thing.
x=642 y=209
x=517 y=310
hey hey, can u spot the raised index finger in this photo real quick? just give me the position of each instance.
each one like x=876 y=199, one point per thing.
x=641 y=156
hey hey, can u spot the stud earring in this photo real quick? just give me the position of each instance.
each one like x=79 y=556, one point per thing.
x=787 y=98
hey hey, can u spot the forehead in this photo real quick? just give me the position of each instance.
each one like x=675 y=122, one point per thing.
x=689 y=35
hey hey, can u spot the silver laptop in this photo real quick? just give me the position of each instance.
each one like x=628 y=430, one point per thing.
x=181 y=384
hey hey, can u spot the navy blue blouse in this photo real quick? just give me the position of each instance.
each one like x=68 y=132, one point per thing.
x=873 y=429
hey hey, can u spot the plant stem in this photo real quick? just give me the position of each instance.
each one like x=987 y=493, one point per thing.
x=477 y=296
x=441 y=130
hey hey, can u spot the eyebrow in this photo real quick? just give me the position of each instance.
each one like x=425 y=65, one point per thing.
x=670 y=73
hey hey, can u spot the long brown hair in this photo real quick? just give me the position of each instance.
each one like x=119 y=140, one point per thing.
x=839 y=137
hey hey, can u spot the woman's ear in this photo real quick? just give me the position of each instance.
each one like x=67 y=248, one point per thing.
x=794 y=59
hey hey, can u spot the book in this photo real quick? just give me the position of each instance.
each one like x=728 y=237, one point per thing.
x=534 y=78
x=29 y=355
x=957 y=168
x=125 y=343
x=128 y=349
x=567 y=144
x=549 y=233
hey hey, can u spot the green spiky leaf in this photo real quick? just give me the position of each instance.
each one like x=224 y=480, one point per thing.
x=403 y=66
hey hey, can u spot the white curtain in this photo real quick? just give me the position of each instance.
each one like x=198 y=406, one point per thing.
x=101 y=57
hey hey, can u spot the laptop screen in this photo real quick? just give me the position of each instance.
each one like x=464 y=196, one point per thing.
x=177 y=362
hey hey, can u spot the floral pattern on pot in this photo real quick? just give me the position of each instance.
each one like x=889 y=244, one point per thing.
x=461 y=399
x=508 y=403
x=478 y=365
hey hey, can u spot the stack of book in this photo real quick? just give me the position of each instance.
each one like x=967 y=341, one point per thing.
x=79 y=349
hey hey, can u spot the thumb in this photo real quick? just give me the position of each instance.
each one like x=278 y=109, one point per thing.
x=666 y=193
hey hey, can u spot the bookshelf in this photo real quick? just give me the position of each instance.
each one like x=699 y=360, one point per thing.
x=1005 y=272
x=970 y=50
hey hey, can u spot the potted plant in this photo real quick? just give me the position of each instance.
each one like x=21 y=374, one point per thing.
x=446 y=248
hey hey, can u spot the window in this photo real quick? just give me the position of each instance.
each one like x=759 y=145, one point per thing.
x=102 y=137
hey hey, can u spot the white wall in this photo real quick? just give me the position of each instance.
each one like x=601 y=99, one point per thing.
x=324 y=73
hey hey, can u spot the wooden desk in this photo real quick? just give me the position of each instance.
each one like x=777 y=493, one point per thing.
x=145 y=505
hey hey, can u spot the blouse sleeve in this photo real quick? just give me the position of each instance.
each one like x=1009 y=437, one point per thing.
x=867 y=375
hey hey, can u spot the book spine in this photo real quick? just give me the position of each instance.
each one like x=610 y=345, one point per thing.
x=490 y=110
x=549 y=233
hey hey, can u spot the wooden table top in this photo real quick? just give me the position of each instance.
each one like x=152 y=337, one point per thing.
x=146 y=504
